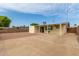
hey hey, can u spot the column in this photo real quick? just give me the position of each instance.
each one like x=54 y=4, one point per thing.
x=60 y=30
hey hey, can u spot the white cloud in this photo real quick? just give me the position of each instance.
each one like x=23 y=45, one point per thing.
x=2 y=10
x=73 y=10
x=42 y=8
x=26 y=7
x=45 y=9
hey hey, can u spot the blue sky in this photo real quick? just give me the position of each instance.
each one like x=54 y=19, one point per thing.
x=25 y=14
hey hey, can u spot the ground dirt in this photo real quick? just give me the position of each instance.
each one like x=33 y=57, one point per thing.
x=26 y=44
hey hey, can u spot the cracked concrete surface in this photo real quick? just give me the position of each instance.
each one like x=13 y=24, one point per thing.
x=26 y=44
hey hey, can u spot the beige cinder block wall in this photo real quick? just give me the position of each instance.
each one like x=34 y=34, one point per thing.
x=37 y=29
x=34 y=29
x=31 y=29
x=63 y=29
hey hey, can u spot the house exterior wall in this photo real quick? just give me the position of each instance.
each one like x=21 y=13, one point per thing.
x=57 y=29
x=32 y=29
x=36 y=29
x=64 y=29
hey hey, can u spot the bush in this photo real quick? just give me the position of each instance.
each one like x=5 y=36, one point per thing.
x=34 y=24
x=1 y=28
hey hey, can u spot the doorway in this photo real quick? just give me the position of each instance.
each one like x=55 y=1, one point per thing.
x=42 y=29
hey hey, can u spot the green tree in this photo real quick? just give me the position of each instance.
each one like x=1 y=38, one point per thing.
x=4 y=21
x=34 y=24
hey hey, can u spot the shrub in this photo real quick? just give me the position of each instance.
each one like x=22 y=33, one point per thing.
x=1 y=28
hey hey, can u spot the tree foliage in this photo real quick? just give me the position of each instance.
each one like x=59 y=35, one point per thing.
x=34 y=24
x=4 y=21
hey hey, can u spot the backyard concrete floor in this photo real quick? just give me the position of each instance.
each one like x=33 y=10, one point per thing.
x=27 y=44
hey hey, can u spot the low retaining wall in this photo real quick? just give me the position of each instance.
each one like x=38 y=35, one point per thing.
x=78 y=30
x=72 y=30
x=11 y=30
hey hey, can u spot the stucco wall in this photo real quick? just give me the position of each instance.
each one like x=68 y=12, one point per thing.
x=36 y=29
x=64 y=29
x=32 y=29
x=61 y=31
